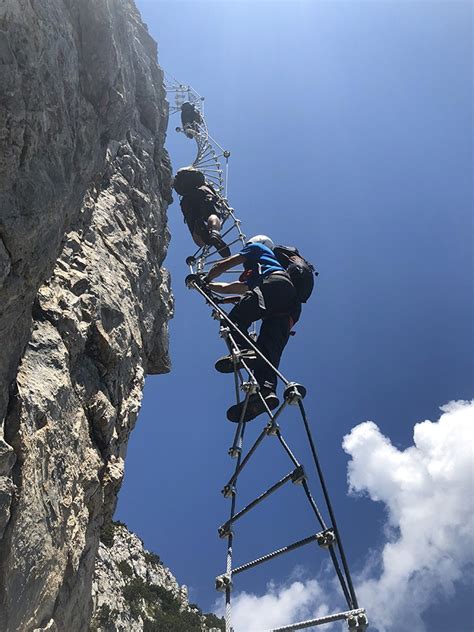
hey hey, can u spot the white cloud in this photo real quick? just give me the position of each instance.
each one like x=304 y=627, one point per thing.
x=279 y=606
x=427 y=490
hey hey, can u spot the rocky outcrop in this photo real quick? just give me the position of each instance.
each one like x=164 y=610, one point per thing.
x=132 y=590
x=84 y=300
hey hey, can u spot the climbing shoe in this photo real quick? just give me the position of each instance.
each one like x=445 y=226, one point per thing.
x=219 y=244
x=226 y=364
x=254 y=408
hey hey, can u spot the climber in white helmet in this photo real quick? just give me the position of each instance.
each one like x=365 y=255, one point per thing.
x=268 y=295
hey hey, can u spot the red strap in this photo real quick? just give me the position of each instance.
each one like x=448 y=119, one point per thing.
x=246 y=274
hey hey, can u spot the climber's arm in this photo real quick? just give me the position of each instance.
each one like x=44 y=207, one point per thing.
x=222 y=266
x=237 y=287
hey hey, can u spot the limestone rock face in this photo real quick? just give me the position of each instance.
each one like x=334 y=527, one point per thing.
x=118 y=565
x=84 y=299
x=133 y=591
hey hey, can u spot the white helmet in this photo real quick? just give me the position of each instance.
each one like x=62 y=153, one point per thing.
x=262 y=239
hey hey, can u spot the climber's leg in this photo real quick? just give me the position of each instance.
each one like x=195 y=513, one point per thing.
x=214 y=226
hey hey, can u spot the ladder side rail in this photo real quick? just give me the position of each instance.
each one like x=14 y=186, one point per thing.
x=258 y=500
x=329 y=505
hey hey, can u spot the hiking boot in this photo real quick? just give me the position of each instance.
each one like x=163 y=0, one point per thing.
x=255 y=406
x=219 y=244
x=226 y=364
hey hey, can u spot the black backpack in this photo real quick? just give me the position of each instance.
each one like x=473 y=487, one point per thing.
x=187 y=180
x=301 y=272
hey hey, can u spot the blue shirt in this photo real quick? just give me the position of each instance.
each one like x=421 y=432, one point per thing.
x=259 y=263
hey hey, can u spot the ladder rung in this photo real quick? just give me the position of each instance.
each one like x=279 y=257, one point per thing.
x=270 y=556
x=340 y=616
x=292 y=476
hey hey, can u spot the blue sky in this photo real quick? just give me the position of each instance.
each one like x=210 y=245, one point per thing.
x=350 y=129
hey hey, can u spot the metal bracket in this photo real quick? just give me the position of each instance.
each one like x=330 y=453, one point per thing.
x=250 y=387
x=223 y=582
x=228 y=491
x=272 y=428
x=298 y=475
x=224 y=530
x=357 y=623
x=223 y=331
x=294 y=392
x=326 y=538
x=193 y=279
x=235 y=354
x=234 y=453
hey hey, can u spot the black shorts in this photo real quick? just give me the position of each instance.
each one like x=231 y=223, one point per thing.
x=197 y=208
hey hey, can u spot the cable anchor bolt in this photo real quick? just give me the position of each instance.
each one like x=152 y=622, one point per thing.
x=224 y=530
x=228 y=491
x=327 y=538
x=223 y=582
x=357 y=623
x=294 y=392
x=298 y=475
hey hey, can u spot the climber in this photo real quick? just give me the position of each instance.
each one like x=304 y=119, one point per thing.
x=269 y=295
x=190 y=118
x=200 y=204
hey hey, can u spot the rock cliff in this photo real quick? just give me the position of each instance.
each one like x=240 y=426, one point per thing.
x=84 y=300
x=133 y=591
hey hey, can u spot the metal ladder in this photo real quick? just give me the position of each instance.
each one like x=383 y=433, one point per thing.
x=327 y=536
